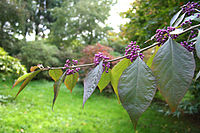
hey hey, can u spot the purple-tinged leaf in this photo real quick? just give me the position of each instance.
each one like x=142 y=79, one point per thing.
x=136 y=88
x=57 y=87
x=175 y=17
x=71 y=80
x=105 y=80
x=197 y=45
x=173 y=66
x=28 y=79
x=91 y=81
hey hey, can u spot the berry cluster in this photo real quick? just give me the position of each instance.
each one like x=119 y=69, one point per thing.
x=98 y=57
x=132 y=51
x=186 y=22
x=163 y=34
x=189 y=47
x=189 y=8
x=71 y=70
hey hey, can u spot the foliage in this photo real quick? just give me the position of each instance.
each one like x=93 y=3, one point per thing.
x=11 y=23
x=115 y=41
x=88 y=55
x=10 y=66
x=146 y=16
x=80 y=20
x=38 y=52
x=32 y=113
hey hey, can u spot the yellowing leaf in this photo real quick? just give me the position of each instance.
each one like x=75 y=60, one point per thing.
x=150 y=60
x=56 y=86
x=28 y=79
x=20 y=79
x=55 y=74
x=33 y=68
x=71 y=80
x=116 y=72
x=105 y=80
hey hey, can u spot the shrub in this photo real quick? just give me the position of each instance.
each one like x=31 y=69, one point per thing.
x=38 y=52
x=10 y=66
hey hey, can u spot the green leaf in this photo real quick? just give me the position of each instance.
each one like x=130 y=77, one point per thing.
x=28 y=79
x=57 y=87
x=198 y=75
x=20 y=79
x=179 y=20
x=91 y=81
x=71 y=80
x=150 y=60
x=55 y=74
x=105 y=80
x=137 y=87
x=174 y=68
x=197 y=45
x=116 y=72
x=175 y=17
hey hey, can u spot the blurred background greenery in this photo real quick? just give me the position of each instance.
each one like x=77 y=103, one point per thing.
x=61 y=29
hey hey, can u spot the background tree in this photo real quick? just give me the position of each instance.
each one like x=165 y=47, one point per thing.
x=145 y=16
x=81 y=20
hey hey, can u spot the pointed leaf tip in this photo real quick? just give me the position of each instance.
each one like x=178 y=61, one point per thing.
x=91 y=81
x=137 y=87
x=56 y=86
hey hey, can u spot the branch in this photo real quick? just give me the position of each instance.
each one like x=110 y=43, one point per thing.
x=119 y=58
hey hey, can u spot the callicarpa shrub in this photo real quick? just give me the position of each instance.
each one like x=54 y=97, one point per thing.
x=170 y=69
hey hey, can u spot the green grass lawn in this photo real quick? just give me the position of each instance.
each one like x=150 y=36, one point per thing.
x=31 y=112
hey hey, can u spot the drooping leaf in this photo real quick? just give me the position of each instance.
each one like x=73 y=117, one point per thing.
x=198 y=75
x=137 y=87
x=55 y=74
x=33 y=68
x=175 y=17
x=197 y=45
x=91 y=81
x=105 y=80
x=193 y=17
x=28 y=79
x=173 y=66
x=20 y=79
x=116 y=72
x=179 y=20
x=71 y=80
x=150 y=60
x=57 y=87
